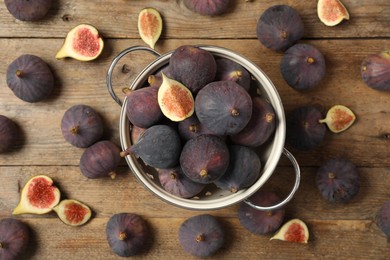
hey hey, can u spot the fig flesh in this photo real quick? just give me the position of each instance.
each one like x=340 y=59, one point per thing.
x=231 y=70
x=383 y=218
x=39 y=196
x=82 y=43
x=30 y=78
x=8 y=134
x=339 y=118
x=175 y=100
x=127 y=234
x=150 y=26
x=375 y=70
x=26 y=10
x=14 y=238
x=295 y=230
x=279 y=27
x=207 y=7
x=201 y=235
x=73 y=212
x=331 y=12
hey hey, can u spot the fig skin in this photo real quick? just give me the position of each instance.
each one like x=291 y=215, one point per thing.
x=303 y=66
x=279 y=27
x=14 y=238
x=383 y=218
x=201 y=235
x=100 y=160
x=208 y=7
x=8 y=134
x=82 y=126
x=375 y=70
x=25 y=10
x=30 y=78
x=73 y=212
x=338 y=180
x=191 y=127
x=127 y=234
x=231 y=70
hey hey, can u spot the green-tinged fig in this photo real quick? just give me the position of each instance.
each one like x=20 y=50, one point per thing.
x=26 y=10
x=82 y=43
x=375 y=70
x=294 y=230
x=207 y=7
x=8 y=134
x=39 y=196
x=231 y=70
x=382 y=218
x=150 y=26
x=14 y=238
x=73 y=212
x=339 y=118
x=331 y=12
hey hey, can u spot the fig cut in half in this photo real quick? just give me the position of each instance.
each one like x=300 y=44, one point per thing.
x=295 y=230
x=331 y=12
x=149 y=26
x=73 y=212
x=82 y=43
x=39 y=196
x=339 y=118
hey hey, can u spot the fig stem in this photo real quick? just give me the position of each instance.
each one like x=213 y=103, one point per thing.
x=203 y=173
x=173 y=176
x=122 y=235
x=19 y=73
x=310 y=60
x=199 y=238
x=112 y=175
x=235 y=112
x=75 y=129
x=331 y=175
x=284 y=35
x=193 y=128
x=269 y=118
x=1 y=245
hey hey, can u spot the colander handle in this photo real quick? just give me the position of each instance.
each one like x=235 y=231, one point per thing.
x=115 y=61
x=295 y=188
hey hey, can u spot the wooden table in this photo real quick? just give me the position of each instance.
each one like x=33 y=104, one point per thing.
x=337 y=231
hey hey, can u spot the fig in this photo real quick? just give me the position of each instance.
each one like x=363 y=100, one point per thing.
x=331 y=12
x=279 y=27
x=205 y=158
x=30 y=78
x=136 y=133
x=224 y=107
x=260 y=127
x=127 y=234
x=304 y=131
x=149 y=26
x=207 y=7
x=81 y=126
x=39 y=196
x=339 y=118
x=159 y=147
x=261 y=222
x=231 y=70
x=303 y=66
x=8 y=134
x=383 y=218
x=25 y=10
x=100 y=160
x=14 y=238
x=82 y=43
x=193 y=67
x=201 y=235
x=295 y=230
x=73 y=212
x=338 y=180
x=177 y=183
x=175 y=100
x=375 y=70
x=191 y=127
x=243 y=171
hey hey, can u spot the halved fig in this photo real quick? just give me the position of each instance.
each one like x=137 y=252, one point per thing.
x=73 y=212
x=149 y=26
x=331 y=12
x=339 y=118
x=175 y=100
x=295 y=230
x=14 y=238
x=39 y=196
x=375 y=70
x=82 y=43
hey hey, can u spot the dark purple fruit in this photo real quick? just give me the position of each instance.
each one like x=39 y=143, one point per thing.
x=261 y=222
x=201 y=235
x=338 y=180
x=243 y=171
x=205 y=158
x=279 y=27
x=383 y=218
x=142 y=108
x=127 y=234
x=28 y=10
x=191 y=127
x=260 y=127
x=224 y=107
x=375 y=70
x=304 y=131
x=30 y=78
x=14 y=238
x=81 y=126
x=231 y=70
x=100 y=160
x=207 y=7
x=8 y=134
x=177 y=183
x=303 y=66
x=193 y=67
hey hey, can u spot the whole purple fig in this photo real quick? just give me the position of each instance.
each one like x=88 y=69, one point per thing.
x=14 y=238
